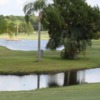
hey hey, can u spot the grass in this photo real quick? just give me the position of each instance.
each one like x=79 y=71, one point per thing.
x=25 y=62
x=80 y=92
x=44 y=36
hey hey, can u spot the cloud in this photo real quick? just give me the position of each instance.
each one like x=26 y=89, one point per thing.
x=4 y=2
x=15 y=7
x=20 y=3
x=93 y=2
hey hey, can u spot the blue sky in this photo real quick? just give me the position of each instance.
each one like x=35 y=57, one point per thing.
x=15 y=7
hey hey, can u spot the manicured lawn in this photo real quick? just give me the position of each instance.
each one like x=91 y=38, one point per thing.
x=80 y=92
x=25 y=62
x=34 y=36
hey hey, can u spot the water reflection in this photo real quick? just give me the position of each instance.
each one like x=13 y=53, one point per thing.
x=31 y=82
x=93 y=75
x=9 y=82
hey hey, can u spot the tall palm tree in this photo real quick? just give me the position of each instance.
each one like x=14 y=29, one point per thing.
x=45 y=9
x=31 y=8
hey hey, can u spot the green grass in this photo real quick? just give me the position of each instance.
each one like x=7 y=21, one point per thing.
x=25 y=62
x=44 y=36
x=80 y=92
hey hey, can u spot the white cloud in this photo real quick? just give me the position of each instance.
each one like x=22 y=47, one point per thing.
x=93 y=2
x=15 y=7
x=20 y=2
x=4 y=2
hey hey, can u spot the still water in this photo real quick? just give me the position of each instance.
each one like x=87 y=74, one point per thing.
x=34 y=81
x=24 y=45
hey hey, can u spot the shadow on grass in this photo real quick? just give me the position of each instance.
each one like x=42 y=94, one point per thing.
x=52 y=57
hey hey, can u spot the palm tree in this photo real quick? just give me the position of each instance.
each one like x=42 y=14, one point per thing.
x=45 y=9
x=17 y=24
x=31 y=8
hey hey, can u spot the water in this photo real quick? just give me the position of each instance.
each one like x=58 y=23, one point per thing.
x=24 y=45
x=32 y=82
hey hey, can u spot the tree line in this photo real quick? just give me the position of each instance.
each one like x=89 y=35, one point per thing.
x=14 y=25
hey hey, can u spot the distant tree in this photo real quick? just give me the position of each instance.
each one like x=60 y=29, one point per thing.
x=30 y=28
x=2 y=24
x=17 y=25
x=34 y=21
x=26 y=28
x=8 y=21
x=73 y=26
x=14 y=25
x=11 y=29
x=97 y=36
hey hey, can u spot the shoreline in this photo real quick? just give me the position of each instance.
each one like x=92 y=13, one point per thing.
x=45 y=72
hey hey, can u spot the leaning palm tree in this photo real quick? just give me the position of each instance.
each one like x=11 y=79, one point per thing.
x=31 y=8
x=46 y=9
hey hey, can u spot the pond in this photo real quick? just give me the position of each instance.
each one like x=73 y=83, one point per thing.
x=24 y=45
x=36 y=81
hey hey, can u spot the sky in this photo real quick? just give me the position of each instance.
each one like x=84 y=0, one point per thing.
x=15 y=7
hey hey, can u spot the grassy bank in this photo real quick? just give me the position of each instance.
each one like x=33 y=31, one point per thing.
x=34 y=36
x=80 y=92
x=25 y=62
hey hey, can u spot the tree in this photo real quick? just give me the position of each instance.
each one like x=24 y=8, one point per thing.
x=29 y=9
x=17 y=24
x=34 y=21
x=10 y=27
x=73 y=28
x=8 y=21
x=2 y=25
x=26 y=28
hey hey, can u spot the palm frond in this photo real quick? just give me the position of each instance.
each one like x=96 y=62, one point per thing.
x=39 y=5
x=28 y=8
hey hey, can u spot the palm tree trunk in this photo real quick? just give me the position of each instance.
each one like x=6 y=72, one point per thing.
x=17 y=30
x=39 y=41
